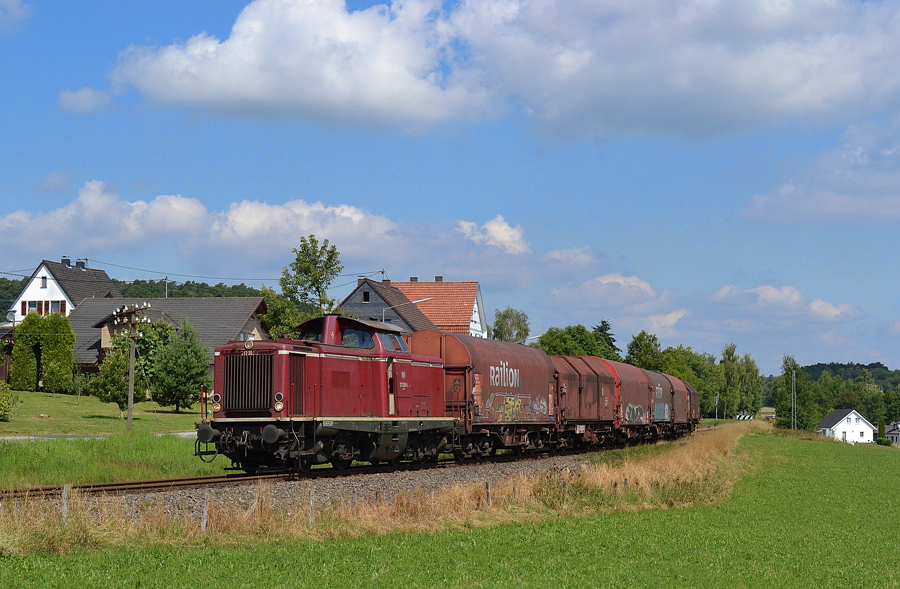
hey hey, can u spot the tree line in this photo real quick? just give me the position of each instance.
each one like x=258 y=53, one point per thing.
x=734 y=377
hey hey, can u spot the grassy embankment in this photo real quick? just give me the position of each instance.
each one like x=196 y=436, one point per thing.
x=779 y=511
x=105 y=454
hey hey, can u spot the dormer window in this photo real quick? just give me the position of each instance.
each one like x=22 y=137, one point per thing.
x=43 y=282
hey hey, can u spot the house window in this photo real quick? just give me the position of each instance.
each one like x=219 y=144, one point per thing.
x=43 y=282
x=54 y=306
x=862 y=434
x=844 y=436
x=365 y=296
x=32 y=306
x=857 y=420
x=849 y=420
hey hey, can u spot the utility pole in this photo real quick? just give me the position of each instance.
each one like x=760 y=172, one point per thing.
x=131 y=317
x=793 y=399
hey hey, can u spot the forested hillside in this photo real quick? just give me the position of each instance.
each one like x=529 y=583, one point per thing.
x=887 y=379
x=157 y=289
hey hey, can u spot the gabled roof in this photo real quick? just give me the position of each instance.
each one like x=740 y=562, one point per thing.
x=451 y=306
x=216 y=320
x=411 y=314
x=80 y=283
x=837 y=416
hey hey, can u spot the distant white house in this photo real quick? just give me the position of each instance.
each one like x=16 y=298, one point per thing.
x=848 y=426
x=893 y=433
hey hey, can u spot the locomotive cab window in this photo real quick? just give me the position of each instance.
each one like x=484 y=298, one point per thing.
x=356 y=338
x=393 y=343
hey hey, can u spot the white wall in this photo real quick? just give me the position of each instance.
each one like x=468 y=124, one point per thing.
x=856 y=431
x=35 y=291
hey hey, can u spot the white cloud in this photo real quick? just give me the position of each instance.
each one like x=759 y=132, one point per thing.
x=99 y=220
x=84 y=100
x=825 y=311
x=314 y=59
x=782 y=302
x=573 y=258
x=12 y=11
x=577 y=69
x=857 y=183
x=496 y=232
x=628 y=295
x=265 y=226
x=664 y=325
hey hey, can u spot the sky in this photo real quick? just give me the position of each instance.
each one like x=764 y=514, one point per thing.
x=710 y=171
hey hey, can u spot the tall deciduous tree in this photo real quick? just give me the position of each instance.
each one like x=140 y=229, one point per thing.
x=644 y=351
x=510 y=325
x=111 y=383
x=306 y=280
x=282 y=315
x=182 y=367
x=573 y=340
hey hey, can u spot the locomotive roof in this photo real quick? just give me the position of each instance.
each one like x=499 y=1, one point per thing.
x=376 y=325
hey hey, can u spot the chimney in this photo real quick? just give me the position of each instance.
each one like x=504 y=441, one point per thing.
x=66 y=261
x=80 y=263
x=386 y=281
x=413 y=278
x=360 y=282
x=438 y=278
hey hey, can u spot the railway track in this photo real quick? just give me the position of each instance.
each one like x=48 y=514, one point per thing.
x=241 y=478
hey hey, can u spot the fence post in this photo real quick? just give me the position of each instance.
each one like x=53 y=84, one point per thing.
x=205 y=519
x=490 y=500
x=65 y=504
x=312 y=514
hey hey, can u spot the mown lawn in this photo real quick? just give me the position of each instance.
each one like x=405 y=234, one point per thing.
x=805 y=514
x=46 y=413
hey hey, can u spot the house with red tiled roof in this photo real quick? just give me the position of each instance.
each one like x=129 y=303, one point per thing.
x=379 y=301
x=454 y=307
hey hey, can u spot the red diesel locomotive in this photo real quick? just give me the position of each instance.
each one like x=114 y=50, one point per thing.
x=355 y=390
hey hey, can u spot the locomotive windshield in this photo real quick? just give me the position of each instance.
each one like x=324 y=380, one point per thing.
x=356 y=338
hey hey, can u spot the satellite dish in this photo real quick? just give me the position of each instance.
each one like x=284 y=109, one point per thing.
x=11 y=316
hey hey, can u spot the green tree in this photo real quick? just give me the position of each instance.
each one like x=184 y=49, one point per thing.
x=8 y=401
x=182 y=367
x=282 y=316
x=57 y=353
x=23 y=368
x=43 y=354
x=305 y=282
x=607 y=341
x=573 y=340
x=808 y=411
x=111 y=383
x=510 y=325
x=644 y=351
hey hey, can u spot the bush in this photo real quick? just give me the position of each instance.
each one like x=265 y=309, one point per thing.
x=883 y=441
x=8 y=401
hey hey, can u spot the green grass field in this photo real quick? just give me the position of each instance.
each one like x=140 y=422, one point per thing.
x=103 y=452
x=802 y=514
x=45 y=413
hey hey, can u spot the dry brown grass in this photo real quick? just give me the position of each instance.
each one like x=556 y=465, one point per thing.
x=688 y=472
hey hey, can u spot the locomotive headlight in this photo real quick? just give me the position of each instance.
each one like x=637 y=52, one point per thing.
x=279 y=406
x=217 y=407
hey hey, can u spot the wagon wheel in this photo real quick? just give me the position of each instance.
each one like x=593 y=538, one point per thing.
x=340 y=463
x=305 y=465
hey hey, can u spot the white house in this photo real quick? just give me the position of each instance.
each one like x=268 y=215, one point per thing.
x=847 y=425
x=58 y=287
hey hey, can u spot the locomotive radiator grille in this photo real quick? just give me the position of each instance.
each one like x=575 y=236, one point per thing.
x=248 y=383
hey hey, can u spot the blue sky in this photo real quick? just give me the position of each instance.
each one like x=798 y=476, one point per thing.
x=712 y=172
